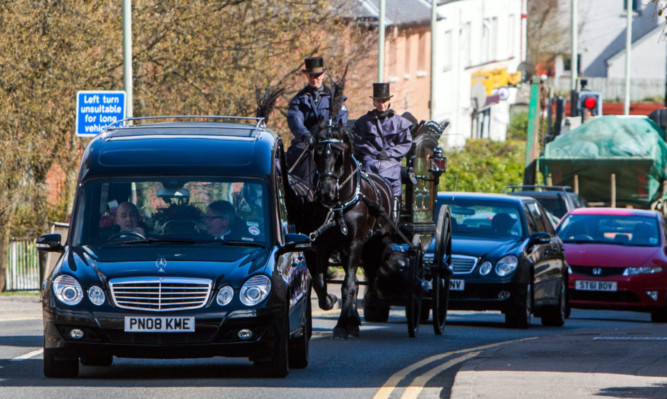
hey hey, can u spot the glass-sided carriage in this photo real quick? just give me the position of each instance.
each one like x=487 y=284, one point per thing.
x=419 y=225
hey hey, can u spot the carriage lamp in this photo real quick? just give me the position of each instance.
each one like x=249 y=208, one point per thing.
x=438 y=161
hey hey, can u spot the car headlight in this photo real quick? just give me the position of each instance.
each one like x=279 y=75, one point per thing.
x=67 y=290
x=506 y=265
x=633 y=271
x=485 y=268
x=255 y=290
x=96 y=295
x=225 y=295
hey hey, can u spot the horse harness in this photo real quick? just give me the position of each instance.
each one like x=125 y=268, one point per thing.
x=336 y=211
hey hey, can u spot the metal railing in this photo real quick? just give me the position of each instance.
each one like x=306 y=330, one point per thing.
x=22 y=266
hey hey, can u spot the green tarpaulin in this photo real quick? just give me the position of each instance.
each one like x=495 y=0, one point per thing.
x=631 y=148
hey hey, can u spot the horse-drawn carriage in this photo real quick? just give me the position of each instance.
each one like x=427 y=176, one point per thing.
x=349 y=214
x=418 y=283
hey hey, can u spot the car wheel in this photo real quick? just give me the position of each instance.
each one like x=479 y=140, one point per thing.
x=520 y=316
x=659 y=316
x=278 y=365
x=96 y=360
x=555 y=315
x=299 y=347
x=59 y=364
x=376 y=314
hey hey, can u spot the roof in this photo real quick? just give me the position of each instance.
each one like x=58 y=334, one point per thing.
x=484 y=197
x=397 y=12
x=615 y=211
x=181 y=148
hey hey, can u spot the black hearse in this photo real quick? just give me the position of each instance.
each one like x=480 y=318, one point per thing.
x=143 y=274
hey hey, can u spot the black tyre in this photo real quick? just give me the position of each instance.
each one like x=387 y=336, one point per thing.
x=520 y=316
x=376 y=314
x=299 y=346
x=555 y=316
x=441 y=261
x=59 y=364
x=659 y=316
x=97 y=360
x=278 y=365
x=414 y=305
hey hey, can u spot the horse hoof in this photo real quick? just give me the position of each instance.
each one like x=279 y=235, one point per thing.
x=328 y=302
x=353 y=331
x=339 y=333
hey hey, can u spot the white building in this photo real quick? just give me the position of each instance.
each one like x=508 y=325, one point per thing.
x=477 y=36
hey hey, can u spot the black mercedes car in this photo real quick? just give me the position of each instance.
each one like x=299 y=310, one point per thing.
x=178 y=247
x=507 y=257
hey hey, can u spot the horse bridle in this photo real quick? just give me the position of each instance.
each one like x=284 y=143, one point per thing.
x=337 y=143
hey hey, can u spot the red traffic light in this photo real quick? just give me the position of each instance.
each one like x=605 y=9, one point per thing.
x=590 y=102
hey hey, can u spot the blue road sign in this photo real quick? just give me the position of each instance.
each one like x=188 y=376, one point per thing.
x=97 y=109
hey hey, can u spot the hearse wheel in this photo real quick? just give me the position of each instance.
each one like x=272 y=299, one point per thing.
x=59 y=364
x=415 y=298
x=278 y=365
x=441 y=260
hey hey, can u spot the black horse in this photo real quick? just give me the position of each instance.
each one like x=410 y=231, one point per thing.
x=357 y=223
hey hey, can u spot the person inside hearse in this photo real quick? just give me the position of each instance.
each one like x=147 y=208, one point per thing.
x=222 y=224
x=127 y=218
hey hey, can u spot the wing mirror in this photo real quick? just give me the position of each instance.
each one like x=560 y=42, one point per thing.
x=540 y=238
x=49 y=243
x=295 y=242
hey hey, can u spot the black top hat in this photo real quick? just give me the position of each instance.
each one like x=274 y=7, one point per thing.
x=381 y=90
x=314 y=65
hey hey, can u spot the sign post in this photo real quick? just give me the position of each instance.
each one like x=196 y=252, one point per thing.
x=97 y=109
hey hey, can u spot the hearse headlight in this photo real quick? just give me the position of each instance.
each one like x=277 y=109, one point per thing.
x=96 y=295
x=67 y=290
x=506 y=265
x=255 y=290
x=633 y=271
x=225 y=295
x=485 y=268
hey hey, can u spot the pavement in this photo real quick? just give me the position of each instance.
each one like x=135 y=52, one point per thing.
x=626 y=362
x=623 y=362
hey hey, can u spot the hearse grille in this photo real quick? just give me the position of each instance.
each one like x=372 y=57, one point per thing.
x=463 y=264
x=160 y=294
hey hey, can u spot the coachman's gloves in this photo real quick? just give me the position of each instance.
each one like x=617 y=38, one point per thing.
x=308 y=139
x=382 y=156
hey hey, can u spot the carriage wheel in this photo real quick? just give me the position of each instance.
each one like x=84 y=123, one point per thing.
x=414 y=305
x=441 y=260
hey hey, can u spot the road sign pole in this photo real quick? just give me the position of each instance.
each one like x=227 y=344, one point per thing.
x=532 y=148
x=127 y=55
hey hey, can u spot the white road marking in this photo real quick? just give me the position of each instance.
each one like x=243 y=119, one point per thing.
x=392 y=383
x=27 y=355
x=630 y=339
x=21 y=319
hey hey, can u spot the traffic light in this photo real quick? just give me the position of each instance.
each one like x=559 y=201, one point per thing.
x=590 y=103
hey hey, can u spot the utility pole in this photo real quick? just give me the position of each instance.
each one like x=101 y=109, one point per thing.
x=127 y=56
x=628 y=48
x=434 y=13
x=381 y=42
x=574 y=62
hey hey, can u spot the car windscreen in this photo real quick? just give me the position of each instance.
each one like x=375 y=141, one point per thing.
x=177 y=210
x=610 y=229
x=485 y=218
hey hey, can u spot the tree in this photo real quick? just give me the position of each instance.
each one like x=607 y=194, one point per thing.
x=548 y=35
x=192 y=57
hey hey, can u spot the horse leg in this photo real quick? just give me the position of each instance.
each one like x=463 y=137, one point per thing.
x=317 y=265
x=349 y=321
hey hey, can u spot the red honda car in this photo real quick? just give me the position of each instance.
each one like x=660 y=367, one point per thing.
x=617 y=260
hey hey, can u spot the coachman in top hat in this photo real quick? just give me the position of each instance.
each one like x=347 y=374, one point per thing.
x=304 y=112
x=382 y=138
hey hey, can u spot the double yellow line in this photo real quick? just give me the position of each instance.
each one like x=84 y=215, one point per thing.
x=416 y=385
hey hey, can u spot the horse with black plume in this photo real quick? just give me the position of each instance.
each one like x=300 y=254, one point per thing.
x=356 y=224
